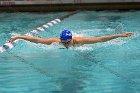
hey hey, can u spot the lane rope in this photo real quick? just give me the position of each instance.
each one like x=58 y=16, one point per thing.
x=10 y=45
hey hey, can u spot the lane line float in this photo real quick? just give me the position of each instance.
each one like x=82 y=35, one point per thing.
x=10 y=45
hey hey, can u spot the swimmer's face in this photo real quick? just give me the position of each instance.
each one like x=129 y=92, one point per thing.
x=66 y=43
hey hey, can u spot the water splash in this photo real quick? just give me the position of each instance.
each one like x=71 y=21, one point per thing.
x=119 y=28
x=78 y=34
x=83 y=48
x=14 y=34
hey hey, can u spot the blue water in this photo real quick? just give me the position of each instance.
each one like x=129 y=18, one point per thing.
x=110 y=67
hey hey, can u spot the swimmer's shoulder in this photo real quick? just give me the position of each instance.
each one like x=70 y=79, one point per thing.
x=77 y=40
x=55 y=41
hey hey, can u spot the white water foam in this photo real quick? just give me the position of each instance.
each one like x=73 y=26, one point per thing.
x=14 y=34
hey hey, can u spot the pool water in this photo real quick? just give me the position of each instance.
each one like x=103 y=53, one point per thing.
x=109 y=67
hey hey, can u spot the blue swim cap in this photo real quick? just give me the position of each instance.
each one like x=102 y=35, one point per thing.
x=65 y=35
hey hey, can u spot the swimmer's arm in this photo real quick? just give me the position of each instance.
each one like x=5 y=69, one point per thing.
x=34 y=39
x=102 y=38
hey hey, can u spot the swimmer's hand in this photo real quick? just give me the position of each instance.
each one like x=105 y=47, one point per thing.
x=127 y=34
x=13 y=38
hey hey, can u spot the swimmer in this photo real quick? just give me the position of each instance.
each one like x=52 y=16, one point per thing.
x=67 y=40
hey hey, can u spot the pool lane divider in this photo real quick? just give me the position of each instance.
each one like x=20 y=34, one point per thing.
x=10 y=45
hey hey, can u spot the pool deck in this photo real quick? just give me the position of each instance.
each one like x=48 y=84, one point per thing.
x=70 y=7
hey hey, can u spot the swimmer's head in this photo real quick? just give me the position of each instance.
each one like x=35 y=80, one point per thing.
x=66 y=35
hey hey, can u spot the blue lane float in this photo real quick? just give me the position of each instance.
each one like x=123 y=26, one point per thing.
x=10 y=45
